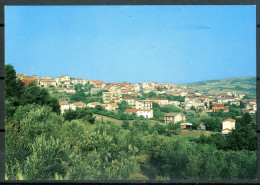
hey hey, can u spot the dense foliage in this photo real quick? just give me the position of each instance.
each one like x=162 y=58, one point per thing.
x=80 y=113
x=16 y=93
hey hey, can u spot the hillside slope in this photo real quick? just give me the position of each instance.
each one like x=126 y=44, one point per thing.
x=244 y=85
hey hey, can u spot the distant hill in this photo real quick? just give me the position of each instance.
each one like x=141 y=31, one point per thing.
x=243 y=85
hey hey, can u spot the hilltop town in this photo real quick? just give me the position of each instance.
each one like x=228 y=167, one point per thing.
x=141 y=97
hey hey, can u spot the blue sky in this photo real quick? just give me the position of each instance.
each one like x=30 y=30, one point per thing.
x=176 y=44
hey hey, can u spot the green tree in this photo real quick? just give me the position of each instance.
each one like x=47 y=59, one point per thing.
x=98 y=108
x=86 y=114
x=125 y=124
x=247 y=119
x=34 y=94
x=243 y=138
x=157 y=113
x=242 y=105
x=212 y=123
x=78 y=87
x=25 y=127
x=49 y=156
x=13 y=86
x=210 y=105
x=79 y=96
x=70 y=115
x=122 y=106
x=100 y=93
x=192 y=108
x=170 y=108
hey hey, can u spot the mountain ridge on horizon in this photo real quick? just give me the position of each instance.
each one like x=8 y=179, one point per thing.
x=245 y=85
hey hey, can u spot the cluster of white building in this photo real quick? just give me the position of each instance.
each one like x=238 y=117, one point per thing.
x=64 y=105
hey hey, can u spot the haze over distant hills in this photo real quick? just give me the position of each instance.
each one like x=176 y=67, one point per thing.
x=245 y=85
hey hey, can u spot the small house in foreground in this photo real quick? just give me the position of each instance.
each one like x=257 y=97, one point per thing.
x=186 y=125
x=202 y=126
x=174 y=117
x=228 y=125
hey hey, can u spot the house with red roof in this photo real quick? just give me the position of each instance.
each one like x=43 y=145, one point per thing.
x=28 y=79
x=63 y=80
x=217 y=106
x=98 y=83
x=93 y=104
x=75 y=105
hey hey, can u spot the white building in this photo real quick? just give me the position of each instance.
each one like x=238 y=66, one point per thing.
x=77 y=81
x=235 y=103
x=129 y=100
x=93 y=104
x=63 y=80
x=144 y=104
x=112 y=97
x=63 y=106
x=176 y=103
x=252 y=107
x=174 y=117
x=228 y=125
x=112 y=106
x=163 y=101
x=147 y=113
x=69 y=90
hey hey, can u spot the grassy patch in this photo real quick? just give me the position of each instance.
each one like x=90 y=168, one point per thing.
x=194 y=133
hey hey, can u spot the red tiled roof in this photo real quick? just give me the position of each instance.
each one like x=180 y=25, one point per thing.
x=94 y=103
x=79 y=104
x=226 y=129
x=136 y=110
x=144 y=110
x=98 y=82
x=113 y=105
x=47 y=80
x=127 y=98
x=62 y=76
x=131 y=110
x=217 y=105
x=63 y=103
x=29 y=77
